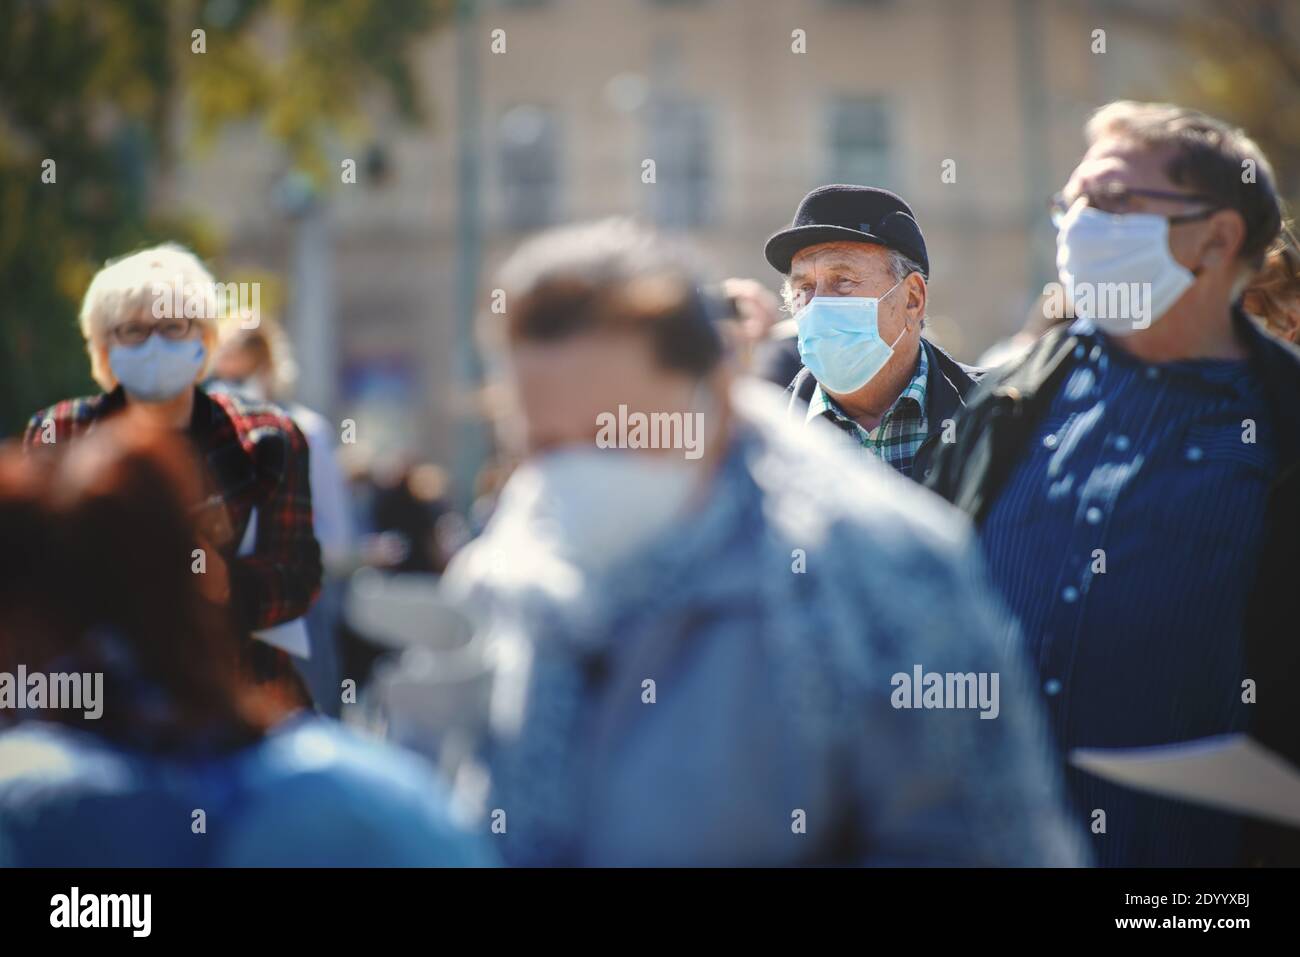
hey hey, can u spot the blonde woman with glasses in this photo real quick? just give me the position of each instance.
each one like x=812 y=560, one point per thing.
x=150 y=324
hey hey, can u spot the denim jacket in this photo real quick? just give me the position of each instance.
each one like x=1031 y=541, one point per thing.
x=727 y=696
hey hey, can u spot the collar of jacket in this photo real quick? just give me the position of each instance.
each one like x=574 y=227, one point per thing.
x=256 y=460
x=946 y=384
x=101 y=406
x=1276 y=363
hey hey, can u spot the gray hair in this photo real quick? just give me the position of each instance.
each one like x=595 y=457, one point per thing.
x=900 y=267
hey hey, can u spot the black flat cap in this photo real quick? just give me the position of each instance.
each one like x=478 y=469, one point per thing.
x=854 y=214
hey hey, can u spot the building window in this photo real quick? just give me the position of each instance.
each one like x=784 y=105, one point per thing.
x=859 y=141
x=528 y=163
x=683 y=194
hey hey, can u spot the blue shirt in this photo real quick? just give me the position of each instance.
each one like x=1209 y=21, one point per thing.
x=310 y=794
x=1126 y=541
x=772 y=621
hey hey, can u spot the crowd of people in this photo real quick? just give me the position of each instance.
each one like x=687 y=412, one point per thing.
x=863 y=620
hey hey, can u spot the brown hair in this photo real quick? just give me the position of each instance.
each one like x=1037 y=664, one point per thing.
x=1274 y=294
x=611 y=276
x=267 y=344
x=1209 y=156
x=97 y=575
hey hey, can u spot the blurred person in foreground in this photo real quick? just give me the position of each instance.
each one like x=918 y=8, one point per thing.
x=257 y=363
x=1274 y=294
x=179 y=727
x=704 y=638
x=855 y=267
x=1135 y=477
x=150 y=324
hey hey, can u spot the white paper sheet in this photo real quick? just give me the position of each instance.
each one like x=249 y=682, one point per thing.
x=291 y=636
x=1232 y=772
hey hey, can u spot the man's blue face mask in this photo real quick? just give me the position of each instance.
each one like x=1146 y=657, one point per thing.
x=839 y=340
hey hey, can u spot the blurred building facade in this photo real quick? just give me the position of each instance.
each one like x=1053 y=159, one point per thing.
x=739 y=126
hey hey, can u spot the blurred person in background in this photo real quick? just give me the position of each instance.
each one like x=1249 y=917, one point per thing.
x=1045 y=314
x=1274 y=294
x=776 y=358
x=188 y=763
x=702 y=635
x=257 y=363
x=150 y=324
x=761 y=343
x=1134 y=477
x=409 y=500
x=856 y=267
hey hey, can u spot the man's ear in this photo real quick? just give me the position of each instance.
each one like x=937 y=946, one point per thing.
x=917 y=294
x=1221 y=243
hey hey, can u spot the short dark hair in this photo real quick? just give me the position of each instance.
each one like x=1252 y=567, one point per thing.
x=1209 y=157
x=611 y=275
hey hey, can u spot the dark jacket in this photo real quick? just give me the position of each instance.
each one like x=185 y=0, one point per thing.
x=256 y=458
x=946 y=387
x=1002 y=415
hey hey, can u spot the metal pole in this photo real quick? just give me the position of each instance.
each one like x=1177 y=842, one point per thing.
x=314 y=327
x=1040 y=264
x=470 y=445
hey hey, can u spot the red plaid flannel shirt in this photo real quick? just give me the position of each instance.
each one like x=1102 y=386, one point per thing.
x=256 y=458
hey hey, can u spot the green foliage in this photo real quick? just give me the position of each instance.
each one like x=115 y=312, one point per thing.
x=1244 y=65
x=103 y=87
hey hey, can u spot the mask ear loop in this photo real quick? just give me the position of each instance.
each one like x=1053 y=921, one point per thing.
x=904 y=329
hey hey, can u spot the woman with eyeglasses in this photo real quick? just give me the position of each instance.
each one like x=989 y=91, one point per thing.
x=150 y=324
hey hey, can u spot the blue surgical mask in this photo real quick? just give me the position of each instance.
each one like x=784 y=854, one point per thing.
x=158 y=368
x=839 y=340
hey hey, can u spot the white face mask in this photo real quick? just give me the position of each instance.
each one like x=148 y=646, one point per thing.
x=593 y=507
x=1118 y=268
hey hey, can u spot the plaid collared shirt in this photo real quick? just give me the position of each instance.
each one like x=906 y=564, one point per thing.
x=256 y=458
x=899 y=433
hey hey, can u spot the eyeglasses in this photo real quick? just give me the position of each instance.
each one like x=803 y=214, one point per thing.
x=136 y=331
x=1116 y=198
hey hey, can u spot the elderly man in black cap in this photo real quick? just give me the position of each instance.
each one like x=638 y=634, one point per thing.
x=856 y=268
